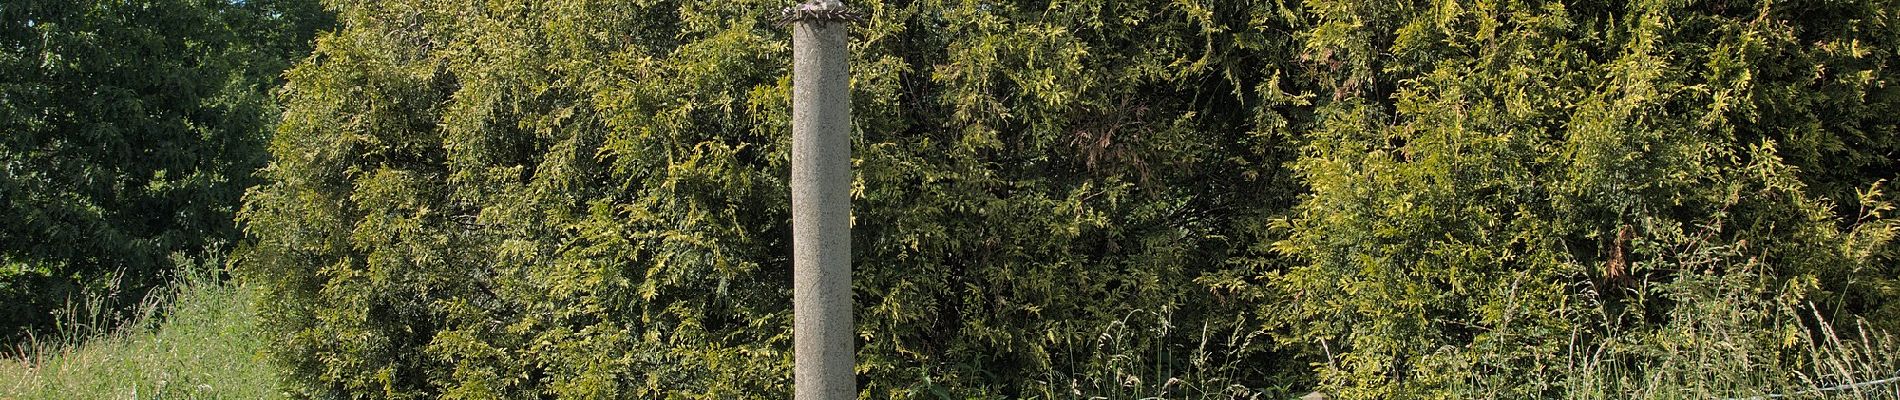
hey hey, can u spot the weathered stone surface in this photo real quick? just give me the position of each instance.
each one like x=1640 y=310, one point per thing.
x=821 y=211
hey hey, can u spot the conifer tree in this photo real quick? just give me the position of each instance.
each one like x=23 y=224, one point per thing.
x=584 y=198
x=589 y=198
x=1497 y=188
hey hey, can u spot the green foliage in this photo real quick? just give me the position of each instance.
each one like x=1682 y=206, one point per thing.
x=131 y=130
x=1500 y=185
x=588 y=199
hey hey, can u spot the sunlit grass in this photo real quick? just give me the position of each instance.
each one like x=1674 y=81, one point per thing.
x=197 y=339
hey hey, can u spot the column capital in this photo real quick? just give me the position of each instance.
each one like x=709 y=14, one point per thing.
x=821 y=11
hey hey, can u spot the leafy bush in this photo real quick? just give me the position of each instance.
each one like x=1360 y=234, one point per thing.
x=587 y=199
x=1503 y=183
x=131 y=130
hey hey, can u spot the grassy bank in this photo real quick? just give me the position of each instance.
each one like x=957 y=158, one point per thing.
x=197 y=339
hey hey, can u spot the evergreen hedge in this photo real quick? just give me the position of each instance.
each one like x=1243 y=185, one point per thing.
x=588 y=198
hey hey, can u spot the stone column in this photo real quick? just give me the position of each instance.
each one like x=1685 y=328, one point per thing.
x=822 y=333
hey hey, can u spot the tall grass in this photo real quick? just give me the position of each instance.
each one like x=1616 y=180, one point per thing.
x=1724 y=344
x=198 y=339
x=1725 y=338
x=1133 y=359
x=195 y=339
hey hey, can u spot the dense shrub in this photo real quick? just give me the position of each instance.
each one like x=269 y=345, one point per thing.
x=1498 y=186
x=588 y=198
x=128 y=132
